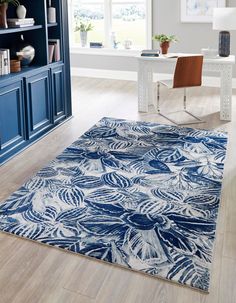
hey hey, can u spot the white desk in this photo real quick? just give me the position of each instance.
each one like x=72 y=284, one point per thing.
x=222 y=66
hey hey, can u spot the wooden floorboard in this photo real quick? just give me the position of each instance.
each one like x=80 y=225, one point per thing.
x=30 y=272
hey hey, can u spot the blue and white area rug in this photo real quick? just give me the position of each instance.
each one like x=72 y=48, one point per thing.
x=141 y=195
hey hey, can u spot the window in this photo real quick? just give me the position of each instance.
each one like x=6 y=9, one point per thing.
x=118 y=20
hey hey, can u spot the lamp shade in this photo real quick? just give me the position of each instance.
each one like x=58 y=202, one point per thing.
x=224 y=18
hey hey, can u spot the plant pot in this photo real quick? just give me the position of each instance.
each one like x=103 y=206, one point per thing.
x=3 y=15
x=83 y=38
x=164 y=47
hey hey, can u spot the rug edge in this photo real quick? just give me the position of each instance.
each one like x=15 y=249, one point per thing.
x=116 y=265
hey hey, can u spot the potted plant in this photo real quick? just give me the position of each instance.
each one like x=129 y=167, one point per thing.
x=3 y=11
x=164 y=41
x=84 y=28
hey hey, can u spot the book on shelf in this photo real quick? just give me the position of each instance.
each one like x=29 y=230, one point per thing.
x=4 y=61
x=55 y=51
x=96 y=45
x=20 y=25
x=51 y=52
x=150 y=52
x=15 y=22
x=20 y=21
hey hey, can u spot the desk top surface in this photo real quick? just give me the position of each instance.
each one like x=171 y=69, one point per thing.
x=171 y=57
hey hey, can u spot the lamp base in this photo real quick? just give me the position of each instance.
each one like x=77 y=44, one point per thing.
x=224 y=44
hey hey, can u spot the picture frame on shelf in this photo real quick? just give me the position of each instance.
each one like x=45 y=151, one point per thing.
x=199 y=11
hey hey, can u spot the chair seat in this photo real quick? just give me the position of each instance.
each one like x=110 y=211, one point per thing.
x=168 y=83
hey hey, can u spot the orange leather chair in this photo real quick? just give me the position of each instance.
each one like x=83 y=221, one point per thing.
x=188 y=73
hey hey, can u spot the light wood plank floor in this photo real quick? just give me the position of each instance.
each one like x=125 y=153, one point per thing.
x=33 y=273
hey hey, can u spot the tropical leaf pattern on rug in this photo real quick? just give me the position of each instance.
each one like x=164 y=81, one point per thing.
x=138 y=194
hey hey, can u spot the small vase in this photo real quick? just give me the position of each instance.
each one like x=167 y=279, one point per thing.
x=164 y=47
x=83 y=38
x=21 y=11
x=3 y=15
x=224 y=44
x=51 y=14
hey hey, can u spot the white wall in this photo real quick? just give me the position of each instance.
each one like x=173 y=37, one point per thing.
x=166 y=19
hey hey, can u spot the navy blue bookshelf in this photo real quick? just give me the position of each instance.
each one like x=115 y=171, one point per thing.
x=38 y=98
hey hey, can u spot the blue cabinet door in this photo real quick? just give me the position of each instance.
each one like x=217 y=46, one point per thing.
x=39 y=104
x=58 y=93
x=12 y=122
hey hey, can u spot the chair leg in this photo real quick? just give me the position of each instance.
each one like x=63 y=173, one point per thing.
x=158 y=105
x=197 y=119
x=185 y=99
x=186 y=111
x=158 y=97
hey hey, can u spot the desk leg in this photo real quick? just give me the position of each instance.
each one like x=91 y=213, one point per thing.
x=145 y=85
x=226 y=93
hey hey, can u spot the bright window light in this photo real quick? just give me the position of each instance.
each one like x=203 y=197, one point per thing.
x=113 y=19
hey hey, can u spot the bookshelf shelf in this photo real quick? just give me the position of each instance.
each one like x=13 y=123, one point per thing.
x=39 y=96
x=52 y=24
x=55 y=63
x=21 y=29
x=25 y=72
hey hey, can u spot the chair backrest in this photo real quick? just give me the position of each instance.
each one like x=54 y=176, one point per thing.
x=188 y=71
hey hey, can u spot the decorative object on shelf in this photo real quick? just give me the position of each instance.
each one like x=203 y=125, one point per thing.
x=23 y=51
x=164 y=41
x=3 y=15
x=196 y=11
x=21 y=11
x=51 y=13
x=127 y=44
x=114 y=42
x=84 y=28
x=224 y=19
x=83 y=38
x=3 y=11
x=15 y=66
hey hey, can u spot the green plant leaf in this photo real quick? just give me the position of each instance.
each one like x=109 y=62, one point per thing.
x=83 y=26
x=14 y=2
x=165 y=38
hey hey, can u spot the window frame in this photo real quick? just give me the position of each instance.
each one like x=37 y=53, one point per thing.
x=108 y=26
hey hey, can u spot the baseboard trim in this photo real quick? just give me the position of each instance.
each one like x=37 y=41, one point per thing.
x=132 y=76
x=104 y=73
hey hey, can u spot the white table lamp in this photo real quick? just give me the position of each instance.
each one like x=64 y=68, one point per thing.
x=224 y=19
